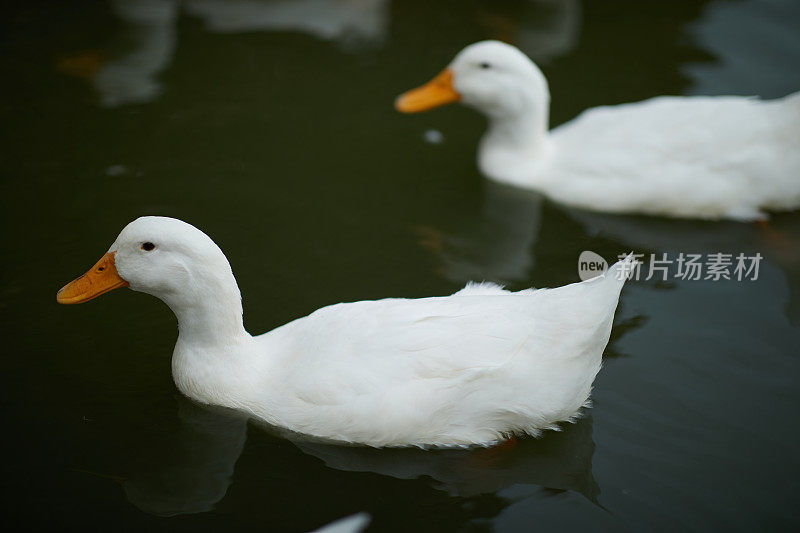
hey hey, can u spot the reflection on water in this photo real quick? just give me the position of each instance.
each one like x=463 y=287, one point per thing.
x=778 y=241
x=495 y=246
x=727 y=30
x=196 y=467
x=128 y=72
x=349 y=524
x=500 y=244
x=350 y=22
x=558 y=460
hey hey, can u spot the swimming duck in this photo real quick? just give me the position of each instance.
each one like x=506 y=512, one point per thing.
x=467 y=369
x=695 y=157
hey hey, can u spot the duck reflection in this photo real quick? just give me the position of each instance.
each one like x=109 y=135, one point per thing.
x=197 y=468
x=349 y=22
x=558 y=460
x=128 y=72
x=500 y=242
x=196 y=471
x=777 y=240
x=495 y=246
x=349 y=524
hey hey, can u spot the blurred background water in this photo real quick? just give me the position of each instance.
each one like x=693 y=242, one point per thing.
x=269 y=125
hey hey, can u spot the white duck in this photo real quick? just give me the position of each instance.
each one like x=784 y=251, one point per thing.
x=697 y=157
x=470 y=368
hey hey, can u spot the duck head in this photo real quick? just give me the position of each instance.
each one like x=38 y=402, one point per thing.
x=493 y=77
x=171 y=260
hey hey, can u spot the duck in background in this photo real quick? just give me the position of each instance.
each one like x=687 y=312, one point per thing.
x=693 y=157
x=472 y=368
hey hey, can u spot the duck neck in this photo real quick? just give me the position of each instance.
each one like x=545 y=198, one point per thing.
x=522 y=131
x=211 y=317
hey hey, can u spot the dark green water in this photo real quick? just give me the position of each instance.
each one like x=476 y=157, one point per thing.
x=279 y=140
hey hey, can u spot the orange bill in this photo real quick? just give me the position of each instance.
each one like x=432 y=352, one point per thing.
x=439 y=91
x=100 y=279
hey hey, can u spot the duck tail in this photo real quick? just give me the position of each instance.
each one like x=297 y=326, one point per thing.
x=607 y=292
x=622 y=270
x=611 y=282
x=601 y=293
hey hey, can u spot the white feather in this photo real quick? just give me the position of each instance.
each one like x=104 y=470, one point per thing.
x=465 y=369
x=696 y=157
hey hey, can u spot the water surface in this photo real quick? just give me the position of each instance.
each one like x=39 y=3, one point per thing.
x=270 y=126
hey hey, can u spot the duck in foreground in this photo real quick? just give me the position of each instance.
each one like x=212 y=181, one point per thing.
x=467 y=369
x=695 y=157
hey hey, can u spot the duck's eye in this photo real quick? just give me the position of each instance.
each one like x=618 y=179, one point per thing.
x=485 y=65
x=148 y=246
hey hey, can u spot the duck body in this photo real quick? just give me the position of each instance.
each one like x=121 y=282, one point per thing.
x=693 y=157
x=456 y=370
x=671 y=156
x=467 y=369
